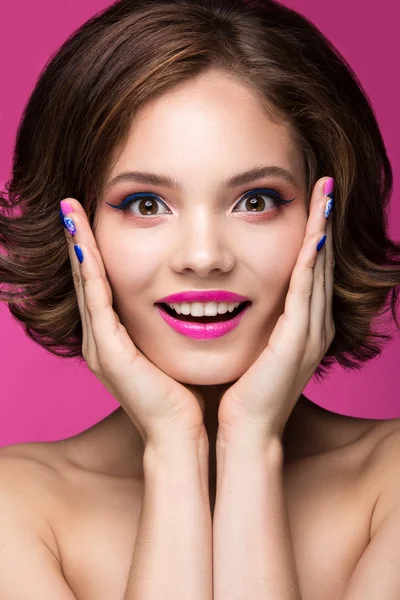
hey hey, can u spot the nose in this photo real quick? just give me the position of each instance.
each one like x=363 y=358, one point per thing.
x=202 y=248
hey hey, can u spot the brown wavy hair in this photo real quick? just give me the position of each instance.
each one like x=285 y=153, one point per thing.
x=78 y=117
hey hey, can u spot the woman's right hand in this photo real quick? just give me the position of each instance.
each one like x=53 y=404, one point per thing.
x=162 y=409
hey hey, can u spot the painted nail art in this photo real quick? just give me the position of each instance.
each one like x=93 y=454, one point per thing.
x=329 y=192
x=328 y=208
x=69 y=224
x=321 y=243
x=61 y=218
x=66 y=207
x=79 y=253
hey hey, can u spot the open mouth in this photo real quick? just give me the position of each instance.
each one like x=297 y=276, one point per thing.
x=217 y=319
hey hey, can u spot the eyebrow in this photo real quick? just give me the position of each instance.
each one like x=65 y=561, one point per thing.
x=234 y=181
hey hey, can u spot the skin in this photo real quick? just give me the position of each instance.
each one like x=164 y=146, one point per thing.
x=200 y=134
x=255 y=395
x=203 y=241
x=334 y=486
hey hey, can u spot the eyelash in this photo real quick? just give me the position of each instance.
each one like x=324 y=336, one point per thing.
x=273 y=194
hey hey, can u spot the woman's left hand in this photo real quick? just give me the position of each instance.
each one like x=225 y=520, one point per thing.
x=260 y=402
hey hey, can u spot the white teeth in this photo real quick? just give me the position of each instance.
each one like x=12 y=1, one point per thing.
x=204 y=309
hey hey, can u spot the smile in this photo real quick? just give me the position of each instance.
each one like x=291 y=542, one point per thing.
x=203 y=327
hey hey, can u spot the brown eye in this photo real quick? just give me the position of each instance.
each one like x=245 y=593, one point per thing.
x=147 y=206
x=146 y=202
x=255 y=203
x=254 y=200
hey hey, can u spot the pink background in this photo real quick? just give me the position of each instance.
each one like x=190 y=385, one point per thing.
x=45 y=398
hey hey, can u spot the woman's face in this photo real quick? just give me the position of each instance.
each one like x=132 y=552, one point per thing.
x=203 y=235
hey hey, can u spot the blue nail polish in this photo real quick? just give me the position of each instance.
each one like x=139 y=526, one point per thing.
x=79 y=253
x=61 y=218
x=321 y=243
x=329 y=206
x=70 y=225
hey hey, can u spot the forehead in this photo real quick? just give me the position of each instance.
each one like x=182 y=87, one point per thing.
x=208 y=129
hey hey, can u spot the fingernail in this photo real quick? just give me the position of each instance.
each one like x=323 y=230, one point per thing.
x=61 y=218
x=329 y=191
x=328 y=208
x=329 y=187
x=66 y=207
x=321 y=243
x=79 y=253
x=69 y=224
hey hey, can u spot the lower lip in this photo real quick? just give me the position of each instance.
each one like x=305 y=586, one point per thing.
x=202 y=331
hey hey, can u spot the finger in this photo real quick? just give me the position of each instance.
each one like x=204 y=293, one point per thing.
x=298 y=300
x=318 y=299
x=84 y=233
x=87 y=337
x=102 y=320
x=79 y=231
x=329 y=274
x=316 y=220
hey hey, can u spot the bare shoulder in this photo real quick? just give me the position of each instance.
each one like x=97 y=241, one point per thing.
x=75 y=509
x=384 y=471
x=34 y=465
x=30 y=476
x=385 y=452
x=29 y=550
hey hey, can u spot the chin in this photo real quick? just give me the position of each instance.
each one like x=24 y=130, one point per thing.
x=204 y=379
x=201 y=370
x=194 y=376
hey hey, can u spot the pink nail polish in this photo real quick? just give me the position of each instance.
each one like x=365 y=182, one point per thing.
x=66 y=207
x=329 y=186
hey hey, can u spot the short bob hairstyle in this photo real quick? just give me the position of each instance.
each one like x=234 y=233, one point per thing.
x=80 y=112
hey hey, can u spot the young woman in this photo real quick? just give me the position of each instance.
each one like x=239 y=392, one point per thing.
x=197 y=149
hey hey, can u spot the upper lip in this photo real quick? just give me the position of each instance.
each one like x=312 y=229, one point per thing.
x=203 y=296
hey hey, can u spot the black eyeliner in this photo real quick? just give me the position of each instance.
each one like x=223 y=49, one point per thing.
x=267 y=192
x=131 y=198
x=258 y=191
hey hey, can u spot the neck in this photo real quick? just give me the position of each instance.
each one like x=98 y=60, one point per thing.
x=212 y=395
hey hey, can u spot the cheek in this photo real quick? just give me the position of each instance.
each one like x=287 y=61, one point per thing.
x=274 y=255
x=130 y=267
x=272 y=262
x=134 y=273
